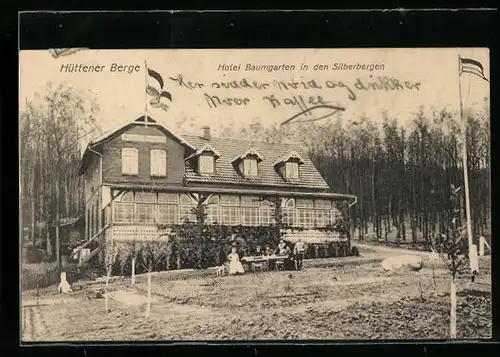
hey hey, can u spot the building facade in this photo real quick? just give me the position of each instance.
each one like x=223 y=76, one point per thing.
x=142 y=174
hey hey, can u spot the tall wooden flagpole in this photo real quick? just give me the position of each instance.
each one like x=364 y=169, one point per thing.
x=466 y=173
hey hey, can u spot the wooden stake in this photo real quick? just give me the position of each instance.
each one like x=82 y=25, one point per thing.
x=453 y=309
x=133 y=271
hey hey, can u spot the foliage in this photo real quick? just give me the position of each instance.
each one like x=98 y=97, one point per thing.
x=47 y=274
x=151 y=252
x=52 y=125
x=399 y=168
x=452 y=248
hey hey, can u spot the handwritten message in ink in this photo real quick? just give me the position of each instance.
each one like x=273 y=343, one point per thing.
x=312 y=97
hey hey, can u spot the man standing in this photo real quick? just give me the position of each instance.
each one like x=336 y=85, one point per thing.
x=298 y=252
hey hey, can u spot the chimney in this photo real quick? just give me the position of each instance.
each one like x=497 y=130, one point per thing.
x=206 y=132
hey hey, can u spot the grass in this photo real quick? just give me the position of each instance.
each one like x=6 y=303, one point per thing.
x=331 y=299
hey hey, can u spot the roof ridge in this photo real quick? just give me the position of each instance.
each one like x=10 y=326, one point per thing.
x=240 y=140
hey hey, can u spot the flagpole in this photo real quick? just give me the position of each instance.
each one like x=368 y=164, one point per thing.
x=145 y=93
x=466 y=173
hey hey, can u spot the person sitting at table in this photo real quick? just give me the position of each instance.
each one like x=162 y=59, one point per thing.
x=258 y=251
x=281 y=247
x=271 y=264
x=235 y=266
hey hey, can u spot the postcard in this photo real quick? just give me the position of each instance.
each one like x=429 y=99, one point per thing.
x=255 y=194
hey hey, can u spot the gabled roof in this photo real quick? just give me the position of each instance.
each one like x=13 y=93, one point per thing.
x=141 y=120
x=122 y=126
x=229 y=148
x=249 y=152
x=291 y=155
x=204 y=148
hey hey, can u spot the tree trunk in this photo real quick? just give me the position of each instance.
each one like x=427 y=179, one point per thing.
x=106 y=297
x=33 y=205
x=133 y=271
x=148 y=302
x=453 y=309
x=58 y=243
x=49 y=243
x=374 y=207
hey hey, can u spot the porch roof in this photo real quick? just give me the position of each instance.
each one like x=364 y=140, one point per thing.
x=255 y=192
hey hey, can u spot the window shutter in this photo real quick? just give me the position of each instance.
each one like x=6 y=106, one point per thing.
x=130 y=161
x=158 y=163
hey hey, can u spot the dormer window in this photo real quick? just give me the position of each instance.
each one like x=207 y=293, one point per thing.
x=205 y=159
x=288 y=165
x=206 y=163
x=250 y=167
x=248 y=163
x=292 y=170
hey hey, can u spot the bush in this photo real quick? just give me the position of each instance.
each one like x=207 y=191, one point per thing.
x=43 y=274
x=47 y=274
x=35 y=255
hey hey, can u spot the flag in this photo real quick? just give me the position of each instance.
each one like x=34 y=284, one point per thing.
x=154 y=88
x=60 y=52
x=468 y=65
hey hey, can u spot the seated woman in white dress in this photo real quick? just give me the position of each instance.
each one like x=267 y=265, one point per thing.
x=235 y=266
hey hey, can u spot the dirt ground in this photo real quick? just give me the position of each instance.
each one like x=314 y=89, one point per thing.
x=337 y=298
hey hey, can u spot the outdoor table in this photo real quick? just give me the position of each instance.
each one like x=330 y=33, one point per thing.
x=264 y=258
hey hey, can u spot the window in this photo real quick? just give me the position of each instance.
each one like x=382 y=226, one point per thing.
x=323 y=213
x=123 y=208
x=186 y=209
x=250 y=210
x=145 y=197
x=305 y=217
x=250 y=167
x=231 y=215
x=126 y=197
x=303 y=203
x=145 y=207
x=230 y=210
x=266 y=212
x=322 y=204
x=123 y=212
x=168 y=214
x=250 y=216
x=170 y=198
x=250 y=201
x=212 y=210
x=168 y=208
x=322 y=217
x=146 y=212
x=158 y=163
x=292 y=170
x=206 y=164
x=288 y=212
x=305 y=213
x=130 y=161
x=229 y=200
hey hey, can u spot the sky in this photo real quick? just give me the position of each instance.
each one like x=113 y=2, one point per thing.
x=122 y=97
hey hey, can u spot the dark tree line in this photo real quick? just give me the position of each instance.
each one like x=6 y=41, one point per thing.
x=401 y=173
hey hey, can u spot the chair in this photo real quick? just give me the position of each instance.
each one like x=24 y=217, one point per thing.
x=257 y=265
x=280 y=265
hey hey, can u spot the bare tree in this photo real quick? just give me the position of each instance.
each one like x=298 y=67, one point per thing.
x=111 y=251
x=453 y=251
x=51 y=128
x=152 y=251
